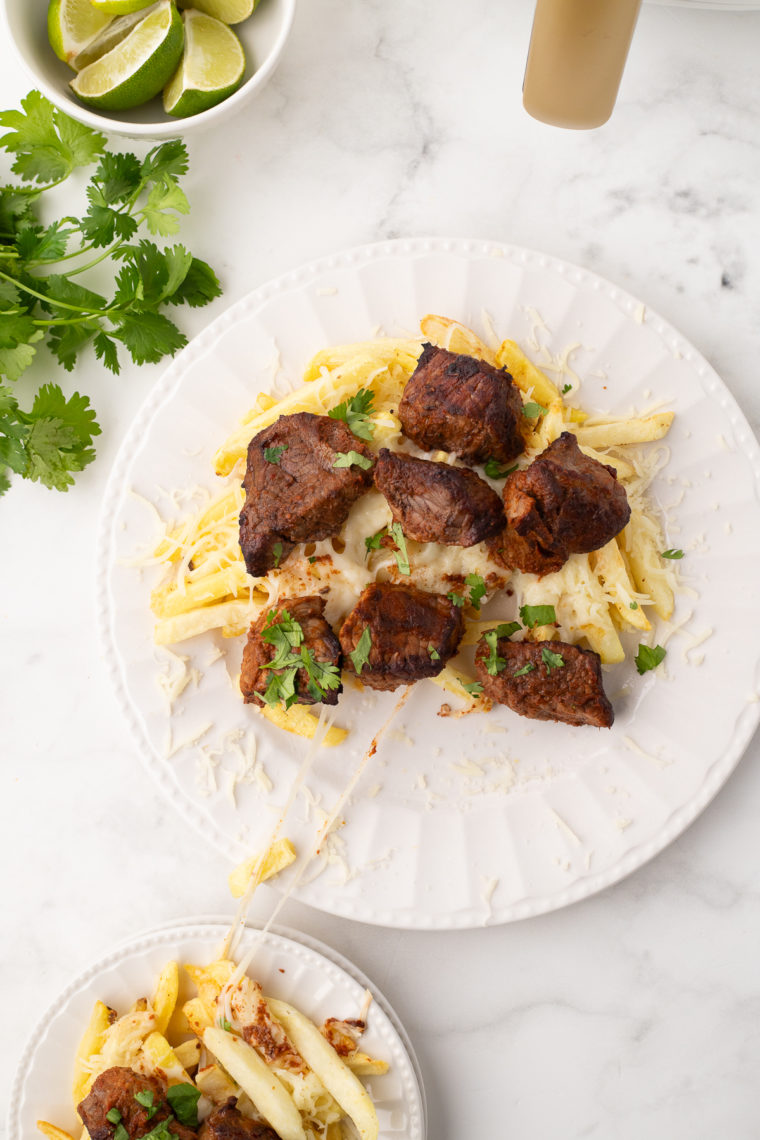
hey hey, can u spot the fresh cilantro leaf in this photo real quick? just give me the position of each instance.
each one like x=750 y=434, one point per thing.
x=101 y=224
x=674 y=554
x=506 y=629
x=323 y=674
x=525 y=669
x=360 y=655
x=34 y=243
x=355 y=412
x=401 y=554
x=494 y=469
x=113 y=1116
x=477 y=589
x=285 y=635
x=566 y=388
x=148 y=337
x=15 y=329
x=281 y=687
x=494 y=663
x=145 y=1098
x=169 y=160
x=457 y=599
x=118 y=175
x=183 y=1100
x=165 y=201
x=199 y=286
x=372 y=541
x=633 y=605
x=61 y=292
x=105 y=350
x=312 y=558
x=274 y=454
x=551 y=660
x=15 y=361
x=178 y=262
x=531 y=616
x=649 y=657
x=352 y=459
x=226 y=1025
x=533 y=410
x=474 y=688
x=277 y=552
x=67 y=341
x=61 y=432
x=434 y=654
x=120 y=1132
x=47 y=144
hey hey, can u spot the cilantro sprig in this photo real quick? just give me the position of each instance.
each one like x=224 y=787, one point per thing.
x=286 y=636
x=48 y=295
x=352 y=459
x=356 y=412
x=649 y=657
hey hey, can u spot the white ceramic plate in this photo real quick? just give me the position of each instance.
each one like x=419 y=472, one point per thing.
x=317 y=980
x=457 y=821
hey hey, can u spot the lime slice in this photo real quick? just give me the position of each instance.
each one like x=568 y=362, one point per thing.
x=120 y=7
x=114 y=32
x=72 y=24
x=137 y=68
x=212 y=66
x=228 y=11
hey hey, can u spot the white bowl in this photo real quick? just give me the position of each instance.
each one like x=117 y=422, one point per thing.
x=263 y=37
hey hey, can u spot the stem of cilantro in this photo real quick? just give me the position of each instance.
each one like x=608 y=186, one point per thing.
x=42 y=297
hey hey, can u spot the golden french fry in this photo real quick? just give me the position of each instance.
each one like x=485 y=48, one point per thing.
x=167 y=601
x=614 y=433
x=52 y=1131
x=610 y=568
x=297 y=720
x=236 y=615
x=161 y=1058
x=455 y=337
x=385 y=351
x=322 y=1059
x=641 y=543
x=188 y=1053
x=624 y=469
x=255 y=1077
x=365 y=1066
x=279 y=856
x=528 y=378
x=210 y=981
x=197 y=1016
x=215 y=1084
x=92 y=1042
x=165 y=996
x=453 y=680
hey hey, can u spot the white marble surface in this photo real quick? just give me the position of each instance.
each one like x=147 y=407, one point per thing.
x=635 y=1013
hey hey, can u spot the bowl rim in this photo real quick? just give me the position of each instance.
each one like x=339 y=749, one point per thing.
x=167 y=127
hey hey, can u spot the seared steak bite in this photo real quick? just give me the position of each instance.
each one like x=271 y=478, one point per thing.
x=399 y=634
x=545 y=680
x=316 y=636
x=514 y=552
x=293 y=490
x=435 y=502
x=117 y=1088
x=564 y=503
x=457 y=403
x=228 y=1123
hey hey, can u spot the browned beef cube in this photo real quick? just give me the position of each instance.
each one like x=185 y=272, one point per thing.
x=514 y=552
x=294 y=492
x=435 y=502
x=564 y=503
x=318 y=637
x=404 y=633
x=545 y=680
x=458 y=403
x=116 y=1089
x=228 y=1123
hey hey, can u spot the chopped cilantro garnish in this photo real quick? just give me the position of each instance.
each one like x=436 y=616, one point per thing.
x=285 y=635
x=312 y=558
x=532 y=616
x=281 y=687
x=184 y=1103
x=457 y=599
x=323 y=675
x=113 y=1116
x=434 y=654
x=533 y=410
x=551 y=660
x=402 y=556
x=120 y=1132
x=355 y=412
x=494 y=663
x=290 y=655
x=566 y=388
x=525 y=669
x=477 y=589
x=360 y=655
x=145 y=1098
x=649 y=657
x=277 y=551
x=674 y=554
x=506 y=629
x=274 y=454
x=494 y=470
x=226 y=1025
x=474 y=688
x=633 y=605
x=352 y=459
x=372 y=541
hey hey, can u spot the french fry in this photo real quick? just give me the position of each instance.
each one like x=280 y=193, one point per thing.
x=322 y=1059
x=265 y=1089
x=624 y=469
x=92 y=1042
x=215 y=1084
x=52 y=1131
x=455 y=337
x=528 y=378
x=609 y=566
x=165 y=995
x=297 y=720
x=640 y=542
x=197 y=1016
x=614 y=433
x=167 y=601
x=279 y=856
x=233 y=618
x=210 y=981
x=161 y=1057
x=386 y=351
x=364 y=1065
x=188 y=1054
x=453 y=680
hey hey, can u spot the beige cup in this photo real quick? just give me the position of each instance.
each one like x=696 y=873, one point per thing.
x=576 y=58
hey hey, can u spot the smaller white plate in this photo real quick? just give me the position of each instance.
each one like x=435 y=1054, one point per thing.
x=290 y=966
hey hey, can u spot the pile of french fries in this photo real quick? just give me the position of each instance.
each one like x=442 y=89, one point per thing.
x=596 y=596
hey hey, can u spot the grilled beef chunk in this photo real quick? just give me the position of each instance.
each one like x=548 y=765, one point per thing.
x=116 y=1088
x=564 y=503
x=412 y=634
x=297 y=494
x=546 y=680
x=317 y=636
x=435 y=502
x=460 y=404
x=228 y=1123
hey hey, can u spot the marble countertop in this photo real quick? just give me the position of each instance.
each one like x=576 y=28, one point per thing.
x=633 y=1013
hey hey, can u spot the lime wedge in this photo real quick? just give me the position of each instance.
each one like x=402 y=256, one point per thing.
x=137 y=68
x=72 y=24
x=120 y=7
x=114 y=32
x=212 y=66
x=228 y=11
